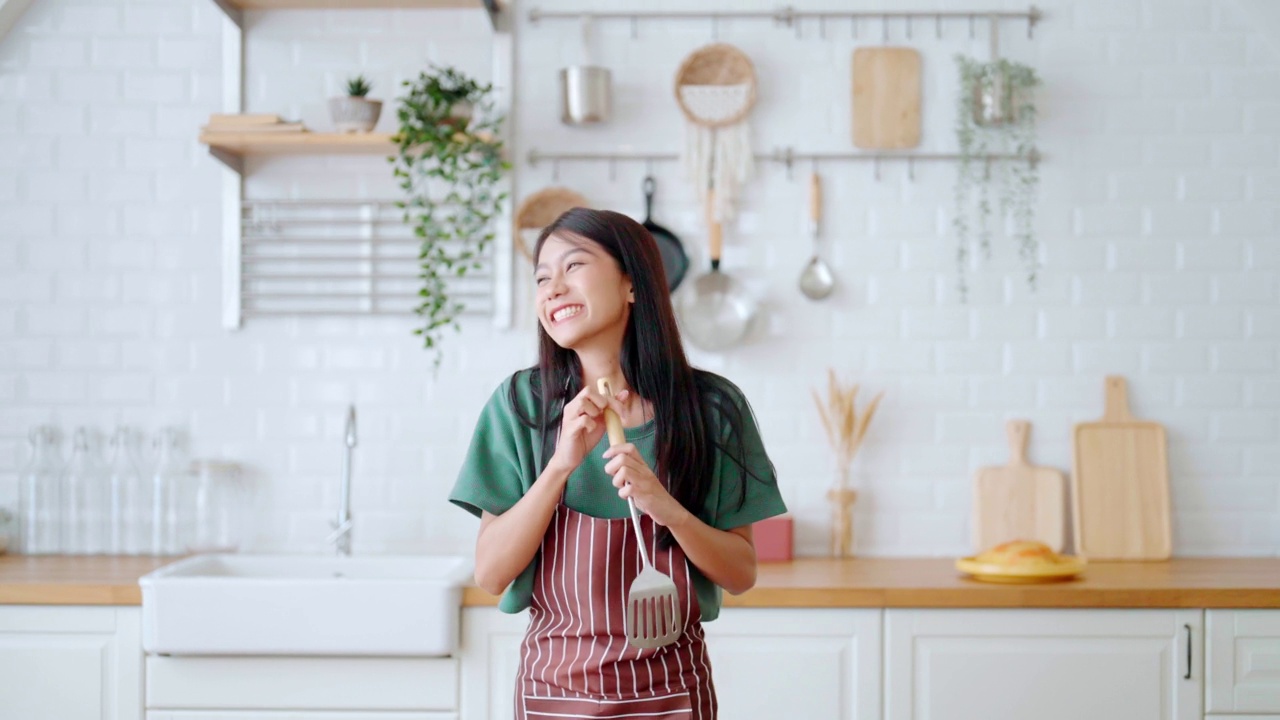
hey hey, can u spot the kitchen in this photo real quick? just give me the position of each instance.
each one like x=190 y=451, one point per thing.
x=1154 y=223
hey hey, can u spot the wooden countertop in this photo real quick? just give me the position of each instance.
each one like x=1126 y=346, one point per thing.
x=82 y=580
x=935 y=582
x=860 y=582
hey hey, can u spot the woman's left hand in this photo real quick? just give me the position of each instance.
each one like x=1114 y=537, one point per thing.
x=634 y=479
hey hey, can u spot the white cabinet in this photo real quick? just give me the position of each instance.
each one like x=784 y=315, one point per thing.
x=766 y=663
x=1242 y=669
x=1043 y=664
x=796 y=663
x=70 y=663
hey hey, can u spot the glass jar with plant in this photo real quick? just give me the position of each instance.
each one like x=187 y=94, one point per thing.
x=449 y=164
x=355 y=112
x=996 y=115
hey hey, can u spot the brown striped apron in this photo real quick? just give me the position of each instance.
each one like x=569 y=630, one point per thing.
x=575 y=661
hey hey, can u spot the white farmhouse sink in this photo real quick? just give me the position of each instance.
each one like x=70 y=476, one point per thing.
x=304 y=605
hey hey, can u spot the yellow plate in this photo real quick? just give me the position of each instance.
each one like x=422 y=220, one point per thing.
x=1069 y=567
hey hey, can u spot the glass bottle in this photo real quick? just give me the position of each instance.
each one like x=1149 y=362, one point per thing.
x=85 y=500
x=219 y=507
x=39 y=498
x=169 y=496
x=130 y=499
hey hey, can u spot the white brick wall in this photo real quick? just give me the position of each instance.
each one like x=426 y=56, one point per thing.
x=1157 y=219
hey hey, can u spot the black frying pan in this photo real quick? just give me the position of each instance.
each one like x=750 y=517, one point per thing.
x=674 y=259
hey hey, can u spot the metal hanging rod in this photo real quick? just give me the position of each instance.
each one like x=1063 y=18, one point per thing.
x=786 y=156
x=788 y=16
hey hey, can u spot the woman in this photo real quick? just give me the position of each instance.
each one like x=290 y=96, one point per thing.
x=551 y=494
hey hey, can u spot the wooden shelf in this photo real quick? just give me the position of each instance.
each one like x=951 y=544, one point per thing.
x=232 y=148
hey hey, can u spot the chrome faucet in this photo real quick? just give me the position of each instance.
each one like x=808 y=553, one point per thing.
x=340 y=538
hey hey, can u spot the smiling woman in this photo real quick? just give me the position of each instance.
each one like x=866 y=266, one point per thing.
x=552 y=494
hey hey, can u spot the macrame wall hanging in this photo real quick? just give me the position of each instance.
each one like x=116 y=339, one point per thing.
x=716 y=89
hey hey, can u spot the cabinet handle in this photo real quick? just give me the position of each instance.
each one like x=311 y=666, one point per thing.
x=1187 y=627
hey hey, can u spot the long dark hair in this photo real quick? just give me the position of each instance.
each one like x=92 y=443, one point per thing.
x=696 y=412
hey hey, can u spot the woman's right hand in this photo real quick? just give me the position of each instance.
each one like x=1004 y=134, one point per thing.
x=581 y=428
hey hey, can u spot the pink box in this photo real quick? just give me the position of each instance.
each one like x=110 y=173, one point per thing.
x=773 y=539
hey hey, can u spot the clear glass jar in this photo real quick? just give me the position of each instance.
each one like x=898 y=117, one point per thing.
x=172 y=500
x=85 y=499
x=220 y=507
x=130 y=500
x=39 y=496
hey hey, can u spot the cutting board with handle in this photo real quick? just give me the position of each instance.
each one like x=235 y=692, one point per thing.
x=1120 y=484
x=1018 y=501
x=886 y=97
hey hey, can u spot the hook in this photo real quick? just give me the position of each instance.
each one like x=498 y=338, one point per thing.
x=884 y=28
x=648 y=166
x=715 y=27
x=1033 y=16
x=908 y=27
x=555 y=171
x=970 y=27
x=877 y=167
x=986 y=168
x=799 y=35
x=911 y=169
x=853 y=26
x=937 y=26
x=635 y=32
x=613 y=168
x=822 y=27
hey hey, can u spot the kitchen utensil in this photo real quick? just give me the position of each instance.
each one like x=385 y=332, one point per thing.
x=1120 y=484
x=886 y=97
x=816 y=281
x=1018 y=501
x=674 y=260
x=540 y=209
x=1068 y=567
x=718 y=313
x=716 y=89
x=653 y=602
x=585 y=90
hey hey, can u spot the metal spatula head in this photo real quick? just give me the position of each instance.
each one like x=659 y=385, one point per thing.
x=653 y=602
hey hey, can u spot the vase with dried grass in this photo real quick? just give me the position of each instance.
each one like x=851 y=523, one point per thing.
x=845 y=430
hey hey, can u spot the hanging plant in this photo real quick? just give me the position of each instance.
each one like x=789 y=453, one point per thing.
x=449 y=163
x=996 y=114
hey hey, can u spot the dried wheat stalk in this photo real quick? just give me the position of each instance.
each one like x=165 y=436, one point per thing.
x=844 y=426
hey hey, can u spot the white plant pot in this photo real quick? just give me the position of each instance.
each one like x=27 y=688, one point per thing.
x=354 y=114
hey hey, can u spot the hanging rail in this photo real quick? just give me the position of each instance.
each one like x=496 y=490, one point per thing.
x=786 y=156
x=788 y=16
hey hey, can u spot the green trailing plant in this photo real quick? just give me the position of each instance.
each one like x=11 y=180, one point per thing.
x=358 y=86
x=1015 y=182
x=449 y=164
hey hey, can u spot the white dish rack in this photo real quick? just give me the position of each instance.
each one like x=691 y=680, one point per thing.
x=298 y=258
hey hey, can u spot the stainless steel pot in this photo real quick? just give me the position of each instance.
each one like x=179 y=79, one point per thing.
x=585 y=94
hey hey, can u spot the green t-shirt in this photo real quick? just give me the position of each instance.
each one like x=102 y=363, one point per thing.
x=503 y=463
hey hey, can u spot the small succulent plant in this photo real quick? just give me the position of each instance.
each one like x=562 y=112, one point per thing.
x=358 y=86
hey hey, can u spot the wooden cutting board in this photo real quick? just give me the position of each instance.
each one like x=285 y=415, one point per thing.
x=1018 y=501
x=1120 y=484
x=886 y=97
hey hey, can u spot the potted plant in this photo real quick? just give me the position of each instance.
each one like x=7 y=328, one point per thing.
x=996 y=114
x=449 y=164
x=355 y=112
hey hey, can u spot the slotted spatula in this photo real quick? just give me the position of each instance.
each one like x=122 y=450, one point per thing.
x=653 y=603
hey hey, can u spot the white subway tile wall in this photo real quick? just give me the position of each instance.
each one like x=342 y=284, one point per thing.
x=1158 y=221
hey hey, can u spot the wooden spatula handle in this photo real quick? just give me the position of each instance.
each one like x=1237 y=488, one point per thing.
x=612 y=422
x=815 y=198
x=715 y=237
x=1117 y=400
x=1018 y=431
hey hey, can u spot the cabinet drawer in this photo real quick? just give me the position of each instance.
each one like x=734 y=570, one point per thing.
x=297 y=683
x=1243 y=661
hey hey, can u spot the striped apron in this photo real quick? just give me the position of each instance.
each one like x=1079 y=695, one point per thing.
x=575 y=661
